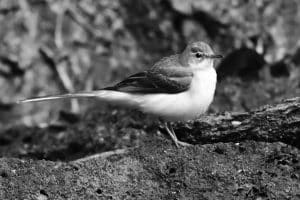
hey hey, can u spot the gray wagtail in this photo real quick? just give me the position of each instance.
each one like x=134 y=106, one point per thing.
x=176 y=88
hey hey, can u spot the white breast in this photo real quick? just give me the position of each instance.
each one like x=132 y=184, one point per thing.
x=182 y=106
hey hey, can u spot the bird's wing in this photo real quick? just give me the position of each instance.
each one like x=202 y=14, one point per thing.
x=166 y=76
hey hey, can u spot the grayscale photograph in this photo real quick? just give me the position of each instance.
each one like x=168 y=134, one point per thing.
x=150 y=99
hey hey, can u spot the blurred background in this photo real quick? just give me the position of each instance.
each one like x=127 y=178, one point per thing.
x=50 y=47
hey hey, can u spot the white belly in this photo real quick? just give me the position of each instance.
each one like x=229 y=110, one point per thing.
x=182 y=106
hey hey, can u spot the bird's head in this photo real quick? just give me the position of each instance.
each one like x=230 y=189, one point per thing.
x=198 y=55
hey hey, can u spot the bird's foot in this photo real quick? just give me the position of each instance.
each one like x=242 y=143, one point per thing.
x=173 y=136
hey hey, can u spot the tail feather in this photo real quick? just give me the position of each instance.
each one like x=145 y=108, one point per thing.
x=61 y=96
x=114 y=97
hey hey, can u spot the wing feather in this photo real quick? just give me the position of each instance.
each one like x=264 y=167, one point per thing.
x=166 y=76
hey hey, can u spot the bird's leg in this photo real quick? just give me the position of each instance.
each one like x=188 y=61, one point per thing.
x=172 y=134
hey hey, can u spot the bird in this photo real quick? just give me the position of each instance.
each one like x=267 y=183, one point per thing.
x=176 y=88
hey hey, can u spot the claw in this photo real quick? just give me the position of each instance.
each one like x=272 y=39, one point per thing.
x=172 y=134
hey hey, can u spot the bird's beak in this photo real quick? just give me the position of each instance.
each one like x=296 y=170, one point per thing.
x=213 y=56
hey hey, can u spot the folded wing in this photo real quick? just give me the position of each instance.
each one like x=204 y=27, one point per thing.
x=166 y=76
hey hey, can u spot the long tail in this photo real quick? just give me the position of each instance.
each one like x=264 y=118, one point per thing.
x=110 y=96
x=60 y=96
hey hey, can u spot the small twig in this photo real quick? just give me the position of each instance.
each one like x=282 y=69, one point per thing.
x=68 y=84
x=63 y=75
x=59 y=68
x=102 y=155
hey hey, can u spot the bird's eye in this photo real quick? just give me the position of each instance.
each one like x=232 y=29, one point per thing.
x=199 y=55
